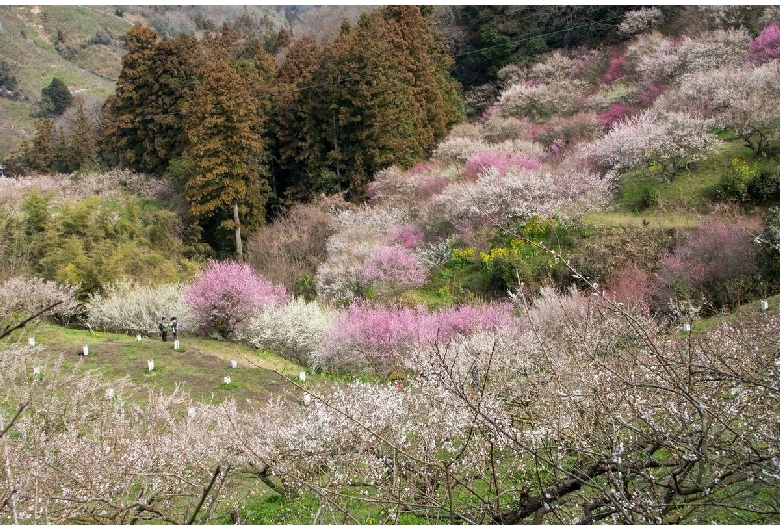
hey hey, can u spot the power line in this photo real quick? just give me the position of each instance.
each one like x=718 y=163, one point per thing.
x=377 y=73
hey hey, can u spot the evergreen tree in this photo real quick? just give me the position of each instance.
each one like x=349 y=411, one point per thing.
x=498 y=35
x=172 y=73
x=224 y=124
x=296 y=156
x=82 y=139
x=39 y=155
x=55 y=98
x=146 y=120
x=386 y=97
x=126 y=126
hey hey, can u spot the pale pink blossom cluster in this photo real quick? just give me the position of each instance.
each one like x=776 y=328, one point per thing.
x=24 y=297
x=540 y=102
x=639 y=20
x=369 y=336
x=359 y=233
x=502 y=163
x=392 y=268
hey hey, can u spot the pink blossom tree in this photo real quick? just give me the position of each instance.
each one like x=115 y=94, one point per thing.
x=502 y=162
x=227 y=293
x=373 y=337
x=615 y=70
x=715 y=266
x=765 y=48
x=391 y=270
x=408 y=236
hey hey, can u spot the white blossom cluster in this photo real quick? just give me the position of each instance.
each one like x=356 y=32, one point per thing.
x=293 y=330
x=79 y=186
x=579 y=403
x=710 y=51
x=668 y=139
x=125 y=306
x=27 y=296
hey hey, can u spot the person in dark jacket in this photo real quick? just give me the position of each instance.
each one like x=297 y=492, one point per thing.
x=163 y=329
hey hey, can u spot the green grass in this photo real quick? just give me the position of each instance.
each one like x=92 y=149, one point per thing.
x=750 y=310
x=35 y=61
x=198 y=367
x=685 y=202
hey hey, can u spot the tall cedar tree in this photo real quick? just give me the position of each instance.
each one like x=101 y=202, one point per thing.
x=124 y=125
x=380 y=96
x=145 y=121
x=172 y=72
x=294 y=159
x=83 y=144
x=41 y=154
x=224 y=123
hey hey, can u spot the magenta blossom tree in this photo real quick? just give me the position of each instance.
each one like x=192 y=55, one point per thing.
x=616 y=69
x=227 y=293
x=765 y=48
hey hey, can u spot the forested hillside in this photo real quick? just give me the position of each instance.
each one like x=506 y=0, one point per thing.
x=495 y=264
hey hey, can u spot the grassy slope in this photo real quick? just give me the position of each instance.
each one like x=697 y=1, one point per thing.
x=197 y=368
x=685 y=202
x=35 y=60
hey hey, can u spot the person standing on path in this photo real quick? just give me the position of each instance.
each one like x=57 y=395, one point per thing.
x=175 y=328
x=163 y=329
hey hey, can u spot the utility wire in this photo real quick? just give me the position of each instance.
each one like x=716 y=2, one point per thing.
x=377 y=73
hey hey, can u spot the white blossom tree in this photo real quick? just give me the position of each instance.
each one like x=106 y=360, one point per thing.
x=671 y=140
x=742 y=98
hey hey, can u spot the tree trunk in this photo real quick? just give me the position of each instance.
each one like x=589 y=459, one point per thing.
x=236 y=220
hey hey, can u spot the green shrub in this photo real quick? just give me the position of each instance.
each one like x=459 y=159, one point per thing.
x=764 y=185
x=650 y=198
x=733 y=184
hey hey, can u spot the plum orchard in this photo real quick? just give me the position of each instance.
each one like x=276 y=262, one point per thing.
x=579 y=412
x=583 y=414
